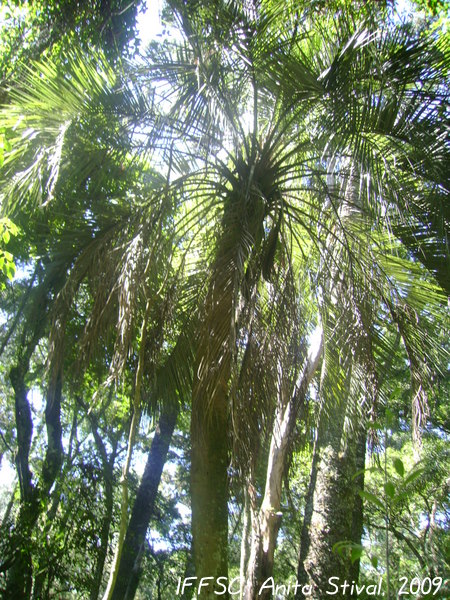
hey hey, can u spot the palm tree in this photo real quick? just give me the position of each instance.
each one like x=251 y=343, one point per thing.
x=254 y=116
x=320 y=93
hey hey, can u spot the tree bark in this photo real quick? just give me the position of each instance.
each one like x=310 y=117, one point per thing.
x=358 y=505
x=241 y=236
x=108 y=478
x=20 y=576
x=52 y=461
x=267 y=520
x=54 y=453
x=209 y=429
x=333 y=512
x=327 y=519
x=19 y=581
x=209 y=484
x=129 y=567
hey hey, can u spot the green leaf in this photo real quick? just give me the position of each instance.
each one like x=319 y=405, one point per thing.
x=374 y=561
x=400 y=497
x=10 y=271
x=367 y=470
x=358 y=473
x=389 y=488
x=399 y=466
x=356 y=554
x=372 y=498
x=340 y=547
x=413 y=475
x=345 y=547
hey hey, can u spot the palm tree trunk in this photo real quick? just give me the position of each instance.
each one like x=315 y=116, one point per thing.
x=333 y=512
x=210 y=425
x=209 y=487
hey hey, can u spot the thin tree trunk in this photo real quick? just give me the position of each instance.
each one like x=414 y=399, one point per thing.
x=54 y=453
x=52 y=460
x=129 y=567
x=134 y=427
x=104 y=533
x=19 y=581
x=108 y=479
x=266 y=522
x=358 y=513
x=24 y=425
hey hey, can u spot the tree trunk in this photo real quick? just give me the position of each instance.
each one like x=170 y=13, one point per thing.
x=129 y=567
x=327 y=519
x=241 y=235
x=266 y=522
x=209 y=431
x=358 y=514
x=19 y=581
x=52 y=460
x=209 y=487
x=54 y=453
x=104 y=534
x=333 y=512
x=108 y=478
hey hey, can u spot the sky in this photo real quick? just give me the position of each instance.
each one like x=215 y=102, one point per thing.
x=149 y=22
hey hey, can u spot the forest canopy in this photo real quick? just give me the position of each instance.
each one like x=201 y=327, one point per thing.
x=224 y=288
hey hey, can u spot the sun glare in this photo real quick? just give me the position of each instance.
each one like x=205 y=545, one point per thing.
x=149 y=22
